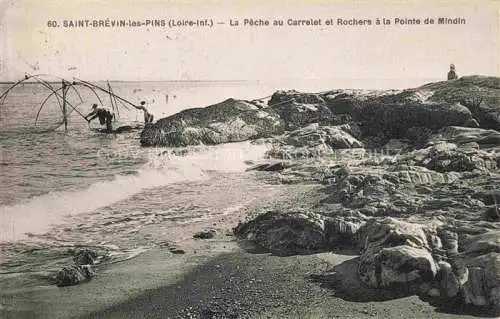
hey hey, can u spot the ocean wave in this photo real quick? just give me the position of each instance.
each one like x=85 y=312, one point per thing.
x=38 y=214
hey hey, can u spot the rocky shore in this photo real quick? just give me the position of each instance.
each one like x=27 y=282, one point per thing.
x=367 y=204
x=408 y=178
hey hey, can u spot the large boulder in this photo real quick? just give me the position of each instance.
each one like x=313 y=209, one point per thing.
x=300 y=109
x=393 y=120
x=299 y=232
x=487 y=242
x=480 y=94
x=400 y=266
x=397 y=254
x=313 y=140
x=463 y=136
x=472 y=276
x=482 y=287
x=334 y=137
x=229 y=121
x=389 y=192
x=446 y=157
x=286 y=233
x=85 y=257
x=74 y=275
x=449 y=157
x=469 y=101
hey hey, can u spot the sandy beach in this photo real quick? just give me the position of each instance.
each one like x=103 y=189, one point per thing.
x=220 y=277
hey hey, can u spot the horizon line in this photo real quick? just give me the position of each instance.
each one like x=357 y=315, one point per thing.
x=250 y=80
x=235 y=80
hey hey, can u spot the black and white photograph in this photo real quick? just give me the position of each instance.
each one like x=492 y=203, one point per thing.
x=249 y=159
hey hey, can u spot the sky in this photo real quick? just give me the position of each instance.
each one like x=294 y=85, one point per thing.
x=224 y=52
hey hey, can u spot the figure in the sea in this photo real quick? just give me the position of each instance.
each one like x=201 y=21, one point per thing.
x=148 y=117
x=452 y=75
x=104 y=114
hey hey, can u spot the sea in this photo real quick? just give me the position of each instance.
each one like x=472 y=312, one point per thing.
x=82 y=187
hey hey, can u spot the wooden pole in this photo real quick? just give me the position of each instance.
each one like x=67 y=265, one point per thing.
x=65 y=117
x=114 y=105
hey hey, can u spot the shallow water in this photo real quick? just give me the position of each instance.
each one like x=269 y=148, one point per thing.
x=67 y=189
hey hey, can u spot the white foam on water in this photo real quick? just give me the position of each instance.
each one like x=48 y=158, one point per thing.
x=37 y=214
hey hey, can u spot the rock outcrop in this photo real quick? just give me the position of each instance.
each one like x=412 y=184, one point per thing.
x=381 y=115
x=312 y=141
x=81 y=271
x=85 y=257
x=74 y=275
x=205 y=234
x=442 y=241
x=408 y=177
x=297 y=232
x=397 y=254
x=229 y=121
x=478 y=93
x=292 y=233
x=409 y=257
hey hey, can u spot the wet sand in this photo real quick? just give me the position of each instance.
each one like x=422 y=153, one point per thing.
x=233 y=284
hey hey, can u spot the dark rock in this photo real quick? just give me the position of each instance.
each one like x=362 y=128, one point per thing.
x=492 y=213
x=270 y=167
x=290 y=152
x=313 y=135
x=74 y=275
x=394 y=120
x=229 y=121
x=127 y=128
x=205 y=234
x=286 y=233
x=176 y=250
x=85 y=257
x=299 y=109
x=283 y=97
x=374 y=194
x=299 y=232
x=175 y=152
x=340 y=103
x=479 y=94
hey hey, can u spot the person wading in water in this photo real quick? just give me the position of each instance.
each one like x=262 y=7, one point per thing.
x=104 y=114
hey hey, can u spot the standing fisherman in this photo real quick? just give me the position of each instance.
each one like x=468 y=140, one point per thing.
x=452 y=75
x=105 y=116
x=148 y=117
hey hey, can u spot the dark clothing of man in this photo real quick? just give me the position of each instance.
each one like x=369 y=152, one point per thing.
x=148 y=117
x=105 y=117
x=452 y=75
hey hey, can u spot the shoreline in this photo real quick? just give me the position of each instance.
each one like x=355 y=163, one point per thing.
x=424 y=222
x=29 y=294
x=227 y=283
x=219 y=276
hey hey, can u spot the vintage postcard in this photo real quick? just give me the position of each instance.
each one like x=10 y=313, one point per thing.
x=249 y=159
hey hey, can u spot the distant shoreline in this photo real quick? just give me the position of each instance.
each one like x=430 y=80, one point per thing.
x=423 y=80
